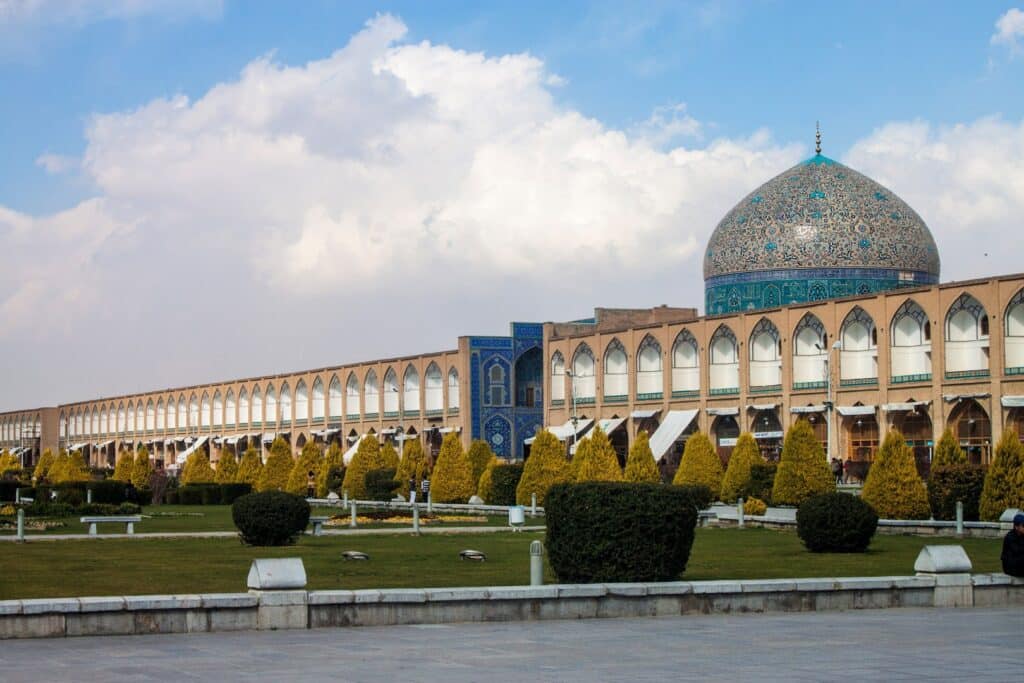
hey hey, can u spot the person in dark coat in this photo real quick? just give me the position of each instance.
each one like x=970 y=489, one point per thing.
x=1013 y=548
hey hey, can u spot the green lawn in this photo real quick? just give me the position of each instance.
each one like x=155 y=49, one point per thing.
x=119 y=567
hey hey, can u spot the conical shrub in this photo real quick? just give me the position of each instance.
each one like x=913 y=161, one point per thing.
x=640 y=465
x=69 y=468
x=366 y=458
x=123 y=468
x=250 y=467
x=893 y=487
x=485 y=487
x=227 y=467
x=197 y=469
x=413 y=466
x=142 y=470
x=452 y=480
x=42 y=469
x=700 y=465
x=745 y=455
x=1004 y=481
x=545 y=467
x=803 y=471
x=333 y=462
x=278 y=467
x=948 y=451
x=480 y=455
x=389 y=456
x=595 y=459
x=310 y=460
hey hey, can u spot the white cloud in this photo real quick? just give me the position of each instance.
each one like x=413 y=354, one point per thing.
x=1009 y=30
x=79 y=12
x=56 y=163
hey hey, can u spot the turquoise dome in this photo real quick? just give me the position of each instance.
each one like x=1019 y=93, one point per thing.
x=817 y=231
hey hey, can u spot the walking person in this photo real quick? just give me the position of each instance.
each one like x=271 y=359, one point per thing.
x=311 y=484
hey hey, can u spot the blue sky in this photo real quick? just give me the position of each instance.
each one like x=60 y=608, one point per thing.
x=194 y=190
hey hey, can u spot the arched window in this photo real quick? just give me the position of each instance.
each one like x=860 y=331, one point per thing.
x=765 y=355
x=496 y=374
x=1014 y=340
x=858 y=359
x=139 y=417
x=301 y=401
x=131 y=417
x=649 y=379
x=433 y=399
x=122 y=420
x=270 y=405
x=103 y=420
x=218 y=409
x=557 y=377
x=685 y=365
x=230 y=409
x=390 y=392
x=319 y=407
x=966 y=339
x=371 y=394
x=286 y=403
x=243 y=406
x=911 y=344
x=810 y=353
x=334 y=397
x=616 y=372
x=95 y=421
x=411 y=390
x=352 y=409
x=150 y=416
x=182 y=413
x=453 y=389
x=725 y=366
x=159 y=415
x=973 y=430
x=206 y=414
x=584 y=383
x=256 y=406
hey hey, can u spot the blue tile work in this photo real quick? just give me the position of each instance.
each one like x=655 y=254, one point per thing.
x=498 y=367
x=818 y=231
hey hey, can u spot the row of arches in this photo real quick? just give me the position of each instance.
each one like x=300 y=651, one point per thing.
x=270 y=404
x=965 y=343
x=14 y=428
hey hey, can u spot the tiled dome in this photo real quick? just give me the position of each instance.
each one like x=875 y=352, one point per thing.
x=819 y=230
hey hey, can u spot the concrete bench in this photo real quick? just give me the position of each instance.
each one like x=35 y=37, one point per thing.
x=128 y=520
x=706 y=517
x=318 y=525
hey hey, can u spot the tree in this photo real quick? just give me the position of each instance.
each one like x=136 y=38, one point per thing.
x=745 y=455
x=700 y=465
x=274 y=476
x=197 y=469
x=485 y=487
x=42 y=470
x=333 y=465
x=413 y=465
x=452 y=480
x=893 y=487
x=123 y=468
x=389 y=456
x=545 y=467
x=640 y=465
x=948 y=451
x=803 y=471
x=595 y=459
x=310 y=460
x=480 y=456
x=227 y=467
x=367 y=457
x=1004 y=481
x=250 y=467
x=68 y=468
x=142 y=469
x=9 y=464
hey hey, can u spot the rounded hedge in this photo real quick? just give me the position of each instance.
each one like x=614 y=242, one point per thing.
x=617 y=531
x=270 y=517
x=836 y=523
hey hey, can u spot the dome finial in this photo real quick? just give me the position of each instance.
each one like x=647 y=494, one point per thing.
x=817 y=138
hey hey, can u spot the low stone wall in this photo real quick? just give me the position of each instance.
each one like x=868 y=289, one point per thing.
x=899 y=527
x=291 y=609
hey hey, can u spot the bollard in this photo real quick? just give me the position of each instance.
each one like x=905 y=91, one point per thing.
x=88 y=496
x=533 y=505
x=430 y=503
x=344 y=499
x=353 y=522
x=536 y=564
x=416 y=519
x=959 y=518
x=21 y=526
x=17 y=495
x=739 y=512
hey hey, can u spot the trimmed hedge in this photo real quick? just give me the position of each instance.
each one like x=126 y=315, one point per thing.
x=803 y=471
x=229 y=493
x=762 y=480
x=504 y=481
x=836 y=523
x=270 y=517
x=894 y=488
x=618 y=531
x=8 y=490
x=381 y=484
x=952 y=482
x=45 y=509
x=208 y=494
x=109 y=491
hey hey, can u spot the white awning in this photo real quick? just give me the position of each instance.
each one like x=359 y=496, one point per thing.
x=820 y=408
x=847 y=411
x=78 y=446
x=644 y=414
x=607 y=425
x=17 y=450
x=351 y=452
x=449 y=430
x=1012 y=401
x=269 y=437
x=762 y=406
x=168 y=442
x=107 y=443
x=723 y=411
x=388 y=430
x=232 y=440
x=674 y=424
x=910 y=405
x=566 y=431
x=324 y=433
x=953 y=398
x=183 y=456
x=407 y=437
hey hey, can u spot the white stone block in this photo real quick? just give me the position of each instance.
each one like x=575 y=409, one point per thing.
x=101 y=604
x=523 y=592
x=1008 y=515
x=455 y=594
x=10 y=607
x=705 y=587
x=476 y=500
x=49 y=605
x=139 y=603
x=670 y=588
x=402 y=595
x=366 y=596
x=942 y=559
x=581 y=590
x=990 y=580
x=815 y=585
x=229 y=600
x=627 y=589
x=277 y=574
x=768 y=585
x=338 y=597
x=280 y=598
x=865 y=583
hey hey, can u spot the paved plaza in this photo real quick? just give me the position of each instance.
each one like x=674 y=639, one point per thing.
x=889 y=645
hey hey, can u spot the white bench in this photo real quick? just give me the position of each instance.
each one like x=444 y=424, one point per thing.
x=128 y=520
x=318 y=525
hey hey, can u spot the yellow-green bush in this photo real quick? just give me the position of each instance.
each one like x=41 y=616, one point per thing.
x=9 y=464
x=754 y=506
x=333 y=460
x=803 y=471
x=640 y=465
x=46 y=460
x=893 y=487
x=700 y=465
x=123 y=468
x=745 y=455
x=197 y=469
x=366 y=458
x=545 y=467
x=227 y=467
x=480 y=455
x=452 y=479
x=142 y=470
x=595 y=459
x=278 y=467
x=389 y=456
x=485 y=487
x=250 y=467
x=1004 y=481
x=948 y=451
x=413 y=465
x=69 y=468
x=310 y=460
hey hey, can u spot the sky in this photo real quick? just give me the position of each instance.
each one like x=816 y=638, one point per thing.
x=198 y=190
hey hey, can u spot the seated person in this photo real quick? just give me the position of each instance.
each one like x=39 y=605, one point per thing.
x=1013 y=548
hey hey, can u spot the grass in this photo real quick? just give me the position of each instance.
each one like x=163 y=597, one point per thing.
x=120 y=567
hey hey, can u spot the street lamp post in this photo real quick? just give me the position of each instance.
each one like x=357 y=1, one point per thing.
x=829 y=403
x=573 y=418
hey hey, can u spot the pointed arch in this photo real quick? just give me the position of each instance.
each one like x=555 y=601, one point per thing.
x=334 y=401
x=205 y=414
x=453 y=390
x=318 y=404
x=182 y=413
x=411 y=390
x=150 y=416
x=130 y=416
x=352 y=397
x=218 y=408
x=649 y=376
x=160 y=414
x=966 y=347
x=584 y=380
x=810 y=353
x=685 y=365
x=139 y=416
x=230 y=409
x=256 y=405
x=391 y=393
x=270 y=405
x=122 y=418
x=1013 y=321
x=433 y=390
x=724 y=365
x=911 y=344
x=858 y=359
x=616 y=371
x=557 y=377
x=371 y=394
x=286 y=403
x=243 y=406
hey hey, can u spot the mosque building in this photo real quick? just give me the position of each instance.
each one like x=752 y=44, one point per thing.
x=822 y=302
